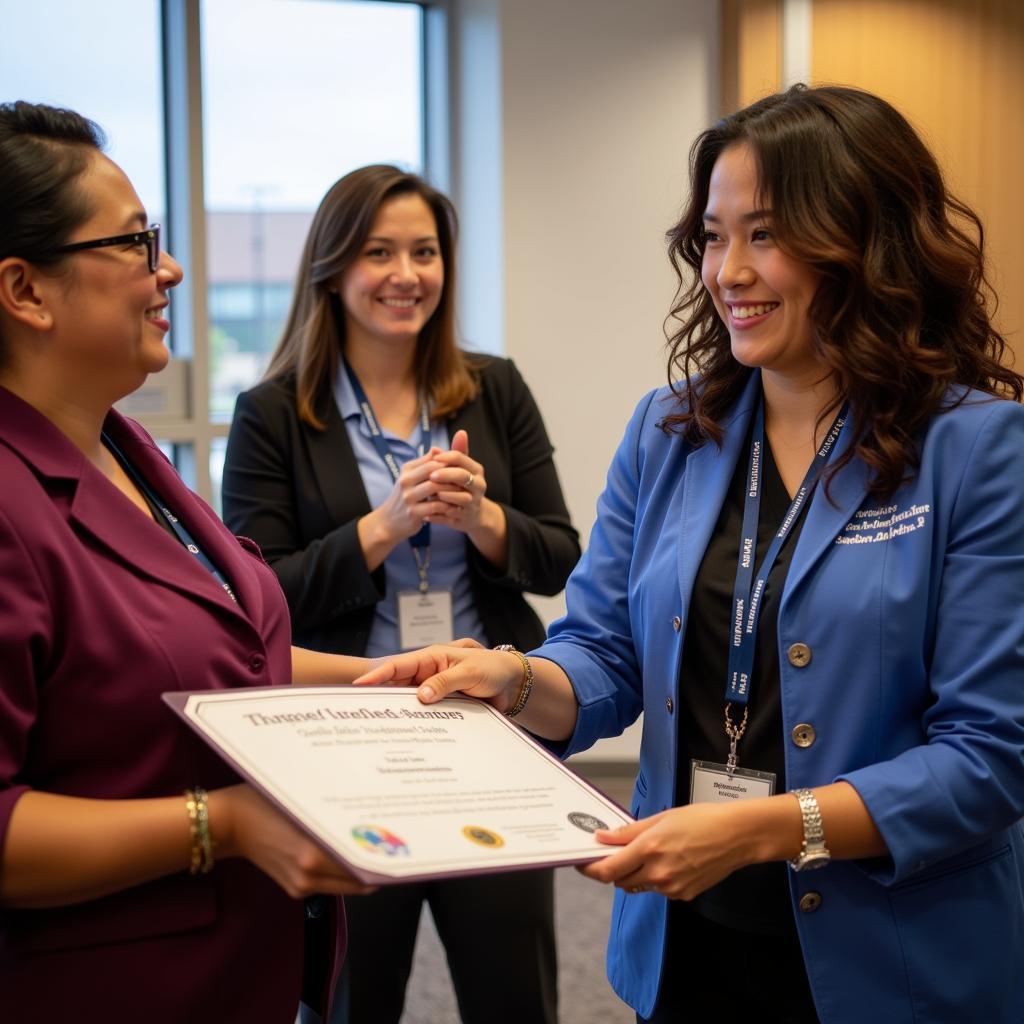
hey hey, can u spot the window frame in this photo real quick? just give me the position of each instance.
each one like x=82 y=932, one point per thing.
x=188 y=427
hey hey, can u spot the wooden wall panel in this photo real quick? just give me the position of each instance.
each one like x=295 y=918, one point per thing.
x=955 y=68
x=751 y=51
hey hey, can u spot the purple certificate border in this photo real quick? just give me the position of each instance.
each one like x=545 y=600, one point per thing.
x=178 y=700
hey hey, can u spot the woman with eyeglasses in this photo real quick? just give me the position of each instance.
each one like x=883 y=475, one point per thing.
x=139 y=880
x=404 y=491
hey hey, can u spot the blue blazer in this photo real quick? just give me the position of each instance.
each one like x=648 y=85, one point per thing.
x=913 y=610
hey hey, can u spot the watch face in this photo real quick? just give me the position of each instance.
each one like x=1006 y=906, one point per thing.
x=809 y=861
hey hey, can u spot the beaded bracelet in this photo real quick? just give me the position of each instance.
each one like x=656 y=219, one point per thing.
x=201 y=861
x=527 y=687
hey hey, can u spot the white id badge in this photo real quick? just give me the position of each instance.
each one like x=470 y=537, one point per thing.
x=712 y=783
x=424 y=619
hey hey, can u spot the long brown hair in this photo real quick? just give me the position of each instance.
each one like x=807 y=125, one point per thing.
x=314 y=334
x=903 y=311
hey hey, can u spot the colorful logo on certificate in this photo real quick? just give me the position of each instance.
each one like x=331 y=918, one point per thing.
x=377 y=839
x=587 y=822
x=483 y=836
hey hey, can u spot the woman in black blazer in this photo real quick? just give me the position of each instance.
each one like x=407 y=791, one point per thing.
x=403 y=490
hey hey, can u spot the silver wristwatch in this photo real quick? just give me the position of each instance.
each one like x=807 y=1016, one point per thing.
x=814 y=853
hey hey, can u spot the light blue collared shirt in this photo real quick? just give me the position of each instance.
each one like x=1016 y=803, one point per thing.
x=449 y=568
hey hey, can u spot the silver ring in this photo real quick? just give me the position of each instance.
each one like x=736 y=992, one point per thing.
x=469 y=480
x=634 y=889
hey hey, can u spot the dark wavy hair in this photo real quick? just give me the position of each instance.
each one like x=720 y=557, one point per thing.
x=314 y=334
x=903 y=311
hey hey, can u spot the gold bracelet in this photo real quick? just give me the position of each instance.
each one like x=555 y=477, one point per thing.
x=527 y=687
x=201 y=860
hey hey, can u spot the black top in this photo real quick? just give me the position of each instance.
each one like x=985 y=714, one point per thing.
x=755 y=898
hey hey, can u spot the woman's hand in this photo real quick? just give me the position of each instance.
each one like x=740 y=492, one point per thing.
x=680 y=852
x=463 y=667
x=461 y=486
x=412 y=499
x=494 y=676
x=244 y=824
x=461 y=490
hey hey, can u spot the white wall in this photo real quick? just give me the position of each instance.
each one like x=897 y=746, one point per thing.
x=578 y=116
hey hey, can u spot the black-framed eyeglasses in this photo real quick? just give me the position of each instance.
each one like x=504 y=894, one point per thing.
x=150 y=238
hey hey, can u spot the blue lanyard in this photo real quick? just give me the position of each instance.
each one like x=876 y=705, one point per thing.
x=179 y=530
x=749 y=586
x=420 y=542
x=422 y=539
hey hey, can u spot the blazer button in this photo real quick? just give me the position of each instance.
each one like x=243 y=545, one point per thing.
x=803 y=735
x=677 y=623
x=669 y=705
x=809 y=902
x=256 y=662
x=799 y=655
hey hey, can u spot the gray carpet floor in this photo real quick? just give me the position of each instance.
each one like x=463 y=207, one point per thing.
x=582 y=909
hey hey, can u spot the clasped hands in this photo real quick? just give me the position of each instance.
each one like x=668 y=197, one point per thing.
x=443 y=487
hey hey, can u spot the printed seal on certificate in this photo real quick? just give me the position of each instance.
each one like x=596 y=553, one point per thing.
x=483 y=836
x=585 y=821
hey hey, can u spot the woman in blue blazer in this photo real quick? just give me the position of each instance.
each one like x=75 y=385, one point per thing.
x=807 y=571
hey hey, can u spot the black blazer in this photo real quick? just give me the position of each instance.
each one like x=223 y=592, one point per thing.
x=298 y=493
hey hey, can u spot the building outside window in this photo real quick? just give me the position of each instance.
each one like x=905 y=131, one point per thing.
x=294 y=95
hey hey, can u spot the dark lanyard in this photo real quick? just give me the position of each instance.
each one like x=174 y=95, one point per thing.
x=179 y=530
x=749 y=587
x=420 y=542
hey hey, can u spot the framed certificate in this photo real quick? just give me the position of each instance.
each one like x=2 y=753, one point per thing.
x=397 y=790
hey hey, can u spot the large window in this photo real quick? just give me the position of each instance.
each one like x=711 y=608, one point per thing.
x=268 y=103
x=114 y=78
x=294 y=95
x=61 y=53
